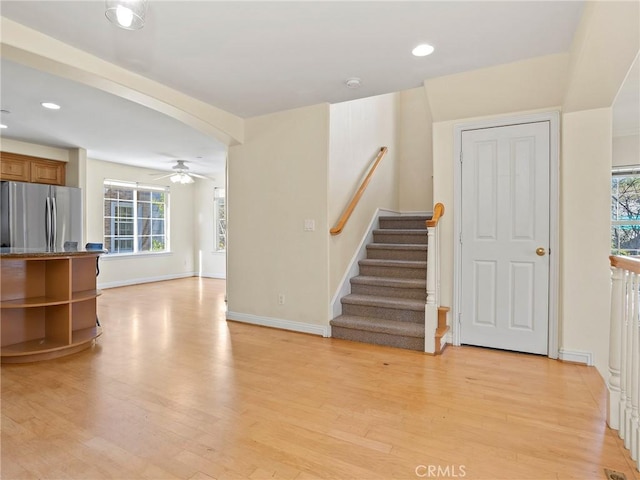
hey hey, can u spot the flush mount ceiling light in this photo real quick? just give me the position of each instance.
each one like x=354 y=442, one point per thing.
x=2 y=125
x=127 y=14
x=423 y=50
x=353 y=82
x=50 y=106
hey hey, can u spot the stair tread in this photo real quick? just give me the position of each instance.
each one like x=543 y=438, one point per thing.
x=390 y=281
x=401 y=231
x=393 y=263
x=385 y=302
x=398 y=246
x=406 y=217
x=440 y=332
x=379 y=325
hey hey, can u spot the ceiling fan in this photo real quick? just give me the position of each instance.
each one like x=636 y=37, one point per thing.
x=181 y=173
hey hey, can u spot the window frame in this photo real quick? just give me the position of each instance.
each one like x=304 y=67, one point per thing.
x=219 y=194
x=136 y=237
x=624 y=172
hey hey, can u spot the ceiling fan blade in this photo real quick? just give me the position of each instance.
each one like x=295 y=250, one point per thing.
x=197 y=175
x=159 y=176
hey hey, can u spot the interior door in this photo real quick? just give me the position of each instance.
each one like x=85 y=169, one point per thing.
x=505 y=237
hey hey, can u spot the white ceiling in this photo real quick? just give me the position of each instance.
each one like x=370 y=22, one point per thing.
x=252 y=58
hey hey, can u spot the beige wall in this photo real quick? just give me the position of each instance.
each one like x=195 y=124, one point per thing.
x=357 y=131
x=514 y=87
x=415 y=165
x=34 y=150
x=208 y=261
x=626 y=151
x=276 y=180
x=122 y=270
x=585 y=237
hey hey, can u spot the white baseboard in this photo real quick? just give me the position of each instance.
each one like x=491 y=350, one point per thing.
x=136 y=281
x=279 y=323
x=575 y=356
x=218 y=275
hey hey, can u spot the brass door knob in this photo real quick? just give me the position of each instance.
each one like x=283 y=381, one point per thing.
x=540 y=251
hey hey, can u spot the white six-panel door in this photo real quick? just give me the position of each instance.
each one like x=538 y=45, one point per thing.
x=505 y=237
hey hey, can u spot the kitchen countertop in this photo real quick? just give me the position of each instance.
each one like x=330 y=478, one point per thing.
x=8 y=252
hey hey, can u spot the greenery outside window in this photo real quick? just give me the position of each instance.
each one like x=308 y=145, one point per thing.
x=220 y=219
x=135 y=218
x=625 y=211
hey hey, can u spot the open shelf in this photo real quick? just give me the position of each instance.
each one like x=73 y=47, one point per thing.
x=48 y=305
x=84 y=295
x=32 y=302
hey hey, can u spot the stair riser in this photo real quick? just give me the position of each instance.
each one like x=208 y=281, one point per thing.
x=417 y=238
x=394 y=272
x=389 y=223
x=409 y=343
x=381 y=312
x=380 y=291
x=395 y=254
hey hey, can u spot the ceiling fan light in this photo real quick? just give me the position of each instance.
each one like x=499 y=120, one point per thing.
x=181 y=177
x=127 y=14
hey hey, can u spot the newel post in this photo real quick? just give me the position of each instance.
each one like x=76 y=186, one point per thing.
x=615 y=335
x=431 y=308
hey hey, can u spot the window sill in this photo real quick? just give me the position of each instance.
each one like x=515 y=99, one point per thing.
x=115 y=256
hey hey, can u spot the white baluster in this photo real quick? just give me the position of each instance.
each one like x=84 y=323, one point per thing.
x=623 y=353
x=635 y=375
x=615 y=334
x=632 y=298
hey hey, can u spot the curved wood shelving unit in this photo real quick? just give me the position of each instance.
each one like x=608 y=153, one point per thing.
x=47 y=305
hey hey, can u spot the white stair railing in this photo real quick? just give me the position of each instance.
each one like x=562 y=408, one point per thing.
x=624 y=353
x=433 y=280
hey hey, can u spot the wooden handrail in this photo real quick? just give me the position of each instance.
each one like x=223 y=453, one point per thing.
x=627 y=263
x=356 y=198
x=438 y=211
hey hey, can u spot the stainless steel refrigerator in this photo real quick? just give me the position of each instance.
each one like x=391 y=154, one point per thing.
x=40 y=217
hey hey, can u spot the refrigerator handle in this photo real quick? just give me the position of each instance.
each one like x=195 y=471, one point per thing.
x=54 y=223
x=47 y=220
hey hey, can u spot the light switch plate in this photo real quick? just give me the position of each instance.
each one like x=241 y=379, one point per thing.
x=309 y=225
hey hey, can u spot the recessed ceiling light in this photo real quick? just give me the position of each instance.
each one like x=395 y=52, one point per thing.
x=2 y=126
x=50 y=106
x=423 y=50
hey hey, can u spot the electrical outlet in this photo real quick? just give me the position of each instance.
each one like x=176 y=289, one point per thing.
x=281 y=299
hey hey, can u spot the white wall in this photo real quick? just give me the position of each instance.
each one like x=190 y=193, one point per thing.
x=358 y=129
x=415 y=165
x=585 y=237
x=626 y=151
x=276 y=180
x=208 y=261
x=124 y=270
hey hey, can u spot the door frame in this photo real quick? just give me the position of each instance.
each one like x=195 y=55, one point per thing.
x=553 y=117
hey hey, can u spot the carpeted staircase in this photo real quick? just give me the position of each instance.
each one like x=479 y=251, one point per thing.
x=387 y=301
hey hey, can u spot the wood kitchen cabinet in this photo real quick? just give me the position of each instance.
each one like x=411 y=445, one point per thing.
x=24 y=168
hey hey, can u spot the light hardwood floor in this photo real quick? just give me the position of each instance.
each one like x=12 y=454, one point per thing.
x=172 y=390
